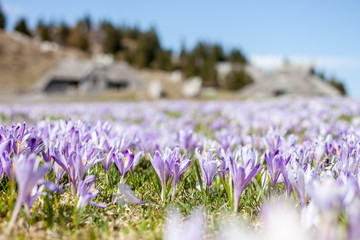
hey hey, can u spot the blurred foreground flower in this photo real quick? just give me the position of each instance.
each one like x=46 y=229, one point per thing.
x=27 y=174
x=281 y=221
x=193 y=228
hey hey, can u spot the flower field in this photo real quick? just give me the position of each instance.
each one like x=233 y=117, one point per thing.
x=281 y=169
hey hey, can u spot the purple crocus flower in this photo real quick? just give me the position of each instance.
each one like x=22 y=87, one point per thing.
x=59 y=172
x=5 y=146
x=34 y=146
x=285 y=174
x=158 y=162
x=124 y=162
x=8 y=165
x=242 y=172
x=168 y=164
x=273 y=140
x=227 y=140
x=86 y=192
x=319 y=152
x=47 y=157
x=177 y=164
x=77 y=164
x=136 y=160
x=38 y=190
x=273 y=161
x=223 y=168
x=1 y=170
x=19 y=135
x=302 y=155
x=107 y=159
x=344 y=159
x=297 y=180
x=27 y=174
x=127 y=139
x=208 y=165
x=185 y=138
x=159 y=165
x=83 y=159
x=60 y=165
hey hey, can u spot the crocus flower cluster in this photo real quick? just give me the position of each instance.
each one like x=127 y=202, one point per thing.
x=304 y=150
x=170 y=164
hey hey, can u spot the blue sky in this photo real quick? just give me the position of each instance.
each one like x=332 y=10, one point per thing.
x=323 y=33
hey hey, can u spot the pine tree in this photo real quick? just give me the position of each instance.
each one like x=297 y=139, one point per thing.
x=163 y=60
x=148 y=46
x=62 y=33
x=141 y=58
x=201 y=52
x=218 y=52
x=87 y=24
x=338 y=85
x=183 y=52
x=43 y=31
x=208 y=72
x=112 y=41
x=2 y=19
x=21 y=26
x=79 y=37
x=237 y=79
x=189 y=69
x=236 y=56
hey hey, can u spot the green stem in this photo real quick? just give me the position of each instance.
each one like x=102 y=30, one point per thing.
x=163 y=191
x=75 y=218
x=76 y=213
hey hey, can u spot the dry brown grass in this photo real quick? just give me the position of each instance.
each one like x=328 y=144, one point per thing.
x=23 y=63
x=171 y=89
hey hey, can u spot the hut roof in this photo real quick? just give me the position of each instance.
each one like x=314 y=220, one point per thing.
x=123 y=72
x=73 y=69
x=290 y=80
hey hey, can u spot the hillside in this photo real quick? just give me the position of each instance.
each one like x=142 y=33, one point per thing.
x=23 y=61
